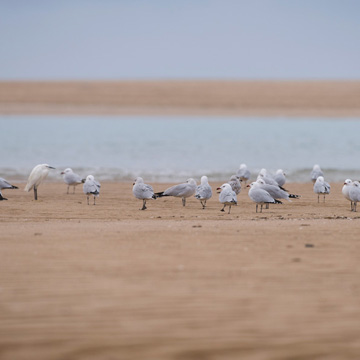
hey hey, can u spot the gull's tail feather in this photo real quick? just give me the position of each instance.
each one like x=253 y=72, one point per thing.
x=83 y=181
x=2 y=198
x=293 y=196
x=160 y=194
x=277 y=201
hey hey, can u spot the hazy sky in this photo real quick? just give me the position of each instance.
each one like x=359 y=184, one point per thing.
x=134 y=39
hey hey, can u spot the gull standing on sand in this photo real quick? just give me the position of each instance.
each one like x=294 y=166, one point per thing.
x=243 y=173
x=260 y=196
x=36 y=177
x=184 y=190
x=274 y=190
x=235 y=184
x=227 y=196
x=280 y=177
x=5 y=185
x=321 y=187
x=203 y=191
x=346 y=189
x=316 y=172
x=354 y=194
x=71 y=179
x=91 y=187
x=143 y=191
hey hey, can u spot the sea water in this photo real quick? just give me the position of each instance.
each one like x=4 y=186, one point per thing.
x=174 y=148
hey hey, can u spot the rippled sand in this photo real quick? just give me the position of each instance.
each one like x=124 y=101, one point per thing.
x=112 y=282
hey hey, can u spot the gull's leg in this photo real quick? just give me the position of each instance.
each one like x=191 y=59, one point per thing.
x=68 y=189
x=204 y=204
x=229 y=209
x=324 y=198
x=352 y=206
x=88 y=199
x=318 y=198
x=183 y=201
x=223 y=209
x=261 y=206
x=35 y=192
x=94 y=200
x=74 y=190
x=144 y=205
x=256 y=207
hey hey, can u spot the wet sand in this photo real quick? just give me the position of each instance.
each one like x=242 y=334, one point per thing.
x=113 y=282
x=183 y=97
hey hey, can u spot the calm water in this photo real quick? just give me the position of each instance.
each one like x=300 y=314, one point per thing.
x=175 y=148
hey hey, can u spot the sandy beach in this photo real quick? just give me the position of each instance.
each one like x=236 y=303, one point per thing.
x=183 y=97
x=113 y=282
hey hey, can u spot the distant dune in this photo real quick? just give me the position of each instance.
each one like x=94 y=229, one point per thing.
x=187 y=97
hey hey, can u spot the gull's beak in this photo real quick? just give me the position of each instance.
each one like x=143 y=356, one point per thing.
x=50 y=167
x=62 y=173
x=133 y=183
x=247 y=185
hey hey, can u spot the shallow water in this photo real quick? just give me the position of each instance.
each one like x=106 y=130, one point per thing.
x=175 y=148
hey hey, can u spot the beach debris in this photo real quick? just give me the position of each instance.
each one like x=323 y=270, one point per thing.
x=37 y=176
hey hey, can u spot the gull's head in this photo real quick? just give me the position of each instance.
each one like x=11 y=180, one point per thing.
x=253 y=184
x=191 y=181
x=243 y=166
x=90 y=178
x=223 y=187
x=66 y=171
x=356 y=183
x=280 y=171
x=138 y=180
x=316 y=167
x=48 y=166
x=259 y=181
x=320 y=179
x=347 y=182
x=233 y=178
x=204 y=180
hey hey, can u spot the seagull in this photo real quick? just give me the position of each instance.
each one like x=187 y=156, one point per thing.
x=275 y=191
x=227 y=196
x=203 y=191
x=346 y=189
x=263 y=174
x=235 y=184
x=71 y=179
x=316 y=172
x=321 y=187
x=354 y=194
x=5 y=185
x=280 y=177
x=184 y=190
x=243 y=173
x=37 y=175
x=143 y=191
x=91 y=187
x=260 y=196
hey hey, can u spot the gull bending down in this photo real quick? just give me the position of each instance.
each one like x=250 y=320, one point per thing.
x=71 y=179
x=203 y=191
x=36 y=177
x=143 y=191
x=227 y=196
x=321 y=187
x=261 y=196
x=91 y=187
x=263 y=174
x=184 y=190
